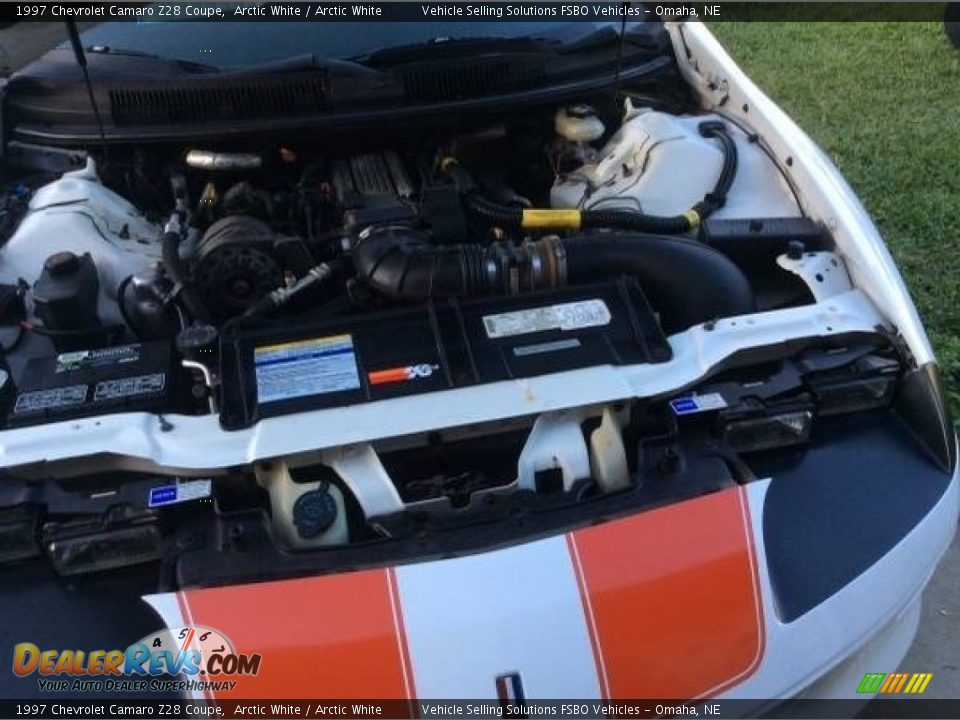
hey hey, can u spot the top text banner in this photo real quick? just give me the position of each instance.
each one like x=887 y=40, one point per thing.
x=467 y=11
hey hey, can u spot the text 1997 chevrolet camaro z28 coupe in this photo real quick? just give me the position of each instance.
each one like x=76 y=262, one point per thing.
x=459 y=362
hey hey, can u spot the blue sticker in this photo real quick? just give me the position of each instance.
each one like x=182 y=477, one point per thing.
x=162 y=495
x=683 y=405
x=181 y=492
x=698 y=403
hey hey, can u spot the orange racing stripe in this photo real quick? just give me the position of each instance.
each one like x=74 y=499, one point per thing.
x=672 y=598
x=335 y=636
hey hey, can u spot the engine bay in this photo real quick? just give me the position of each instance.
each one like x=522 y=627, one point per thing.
x=255 y=281
x=556 y=200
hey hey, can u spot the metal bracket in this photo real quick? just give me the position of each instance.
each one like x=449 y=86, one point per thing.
x=823 y=272
x=556 y=442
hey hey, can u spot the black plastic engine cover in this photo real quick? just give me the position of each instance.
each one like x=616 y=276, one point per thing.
x=267 y=371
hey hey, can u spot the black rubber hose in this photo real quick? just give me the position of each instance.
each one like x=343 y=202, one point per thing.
x=494 y=212
x=402 y=264
x=170 y=254
x=718 y=196
x=686 y=282
x=623 y=219
x=641 y=222
x=626 y=219
x=122 y=305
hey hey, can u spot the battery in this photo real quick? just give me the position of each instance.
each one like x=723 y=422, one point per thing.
x=81 y=383
x=268 y=371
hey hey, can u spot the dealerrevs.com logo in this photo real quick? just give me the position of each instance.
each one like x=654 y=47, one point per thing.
x=202 y=655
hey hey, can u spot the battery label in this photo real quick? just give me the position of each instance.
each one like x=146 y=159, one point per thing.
x=52 y=399
x=103 y=357
x=565 y=316
x=307 y=367
x=181 y=492
x=698 y=403
x=129 y=387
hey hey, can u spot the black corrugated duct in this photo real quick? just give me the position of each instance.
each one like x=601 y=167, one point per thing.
x=686 y=282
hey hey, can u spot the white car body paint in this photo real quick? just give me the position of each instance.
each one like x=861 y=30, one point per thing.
x=517 y=609
x=823 y=272
x=190 y=444
x=806 y=650
x=471 y=619
x=85 y=217
x=648 y=161
x=871 y=617
x=824 y=194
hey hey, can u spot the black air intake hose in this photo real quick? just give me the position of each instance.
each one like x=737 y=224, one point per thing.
x=401 y=263
x=687 y=282
x=572 y=219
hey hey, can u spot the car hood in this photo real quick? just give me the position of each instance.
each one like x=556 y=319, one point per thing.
x=569 y=613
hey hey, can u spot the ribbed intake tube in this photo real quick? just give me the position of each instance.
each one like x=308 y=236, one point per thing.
x=401 y=263
x=687 y=283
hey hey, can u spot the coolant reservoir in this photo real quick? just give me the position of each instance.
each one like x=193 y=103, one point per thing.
x=303 y=514
x=660 y=164
x=578 y=124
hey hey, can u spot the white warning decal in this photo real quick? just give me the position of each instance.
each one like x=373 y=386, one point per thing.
x=306 y=367
x=566 y=316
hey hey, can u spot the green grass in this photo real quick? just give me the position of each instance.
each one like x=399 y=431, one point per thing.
x=883 y=100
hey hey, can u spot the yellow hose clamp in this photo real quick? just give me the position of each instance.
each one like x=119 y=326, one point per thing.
x=448 y=162
x=550 y=219
x=693 y=217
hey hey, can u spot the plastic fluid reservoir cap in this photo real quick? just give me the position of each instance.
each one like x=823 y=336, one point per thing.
x=578 y=123
x=314 y=512
x=62 y=263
